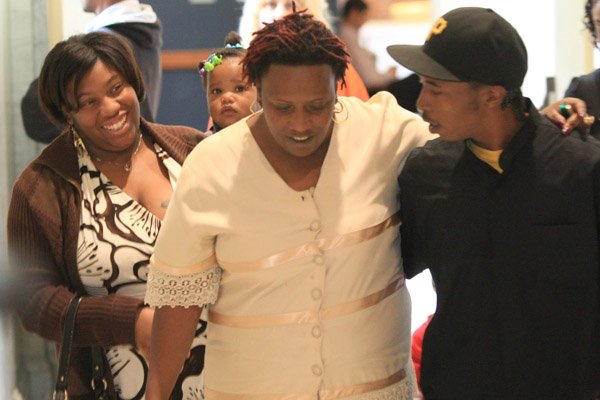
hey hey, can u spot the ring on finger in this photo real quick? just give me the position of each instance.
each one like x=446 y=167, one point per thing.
x=565 y=110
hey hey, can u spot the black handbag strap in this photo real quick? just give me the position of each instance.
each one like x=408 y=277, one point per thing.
x=99 y=384
x=60 y=388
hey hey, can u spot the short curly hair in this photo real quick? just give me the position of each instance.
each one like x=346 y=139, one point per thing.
x=588 y=19
x=296 y=39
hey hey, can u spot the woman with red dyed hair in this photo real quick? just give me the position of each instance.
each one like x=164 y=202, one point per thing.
x=290 y=237
x=258 y=12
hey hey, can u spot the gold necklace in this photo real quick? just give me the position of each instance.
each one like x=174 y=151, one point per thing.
x=126 y=166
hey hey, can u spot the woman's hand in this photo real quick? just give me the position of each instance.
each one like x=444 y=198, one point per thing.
x=569 y=113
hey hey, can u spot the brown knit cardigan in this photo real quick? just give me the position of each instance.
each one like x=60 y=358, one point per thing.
x=43 y=226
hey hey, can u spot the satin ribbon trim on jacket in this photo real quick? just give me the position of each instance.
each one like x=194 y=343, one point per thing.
x=305 y=317
x=314 y=247
x=328 y=394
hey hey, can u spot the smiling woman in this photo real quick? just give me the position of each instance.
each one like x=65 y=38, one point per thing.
x=305 y=286
x=106 y=111
x=84 y=215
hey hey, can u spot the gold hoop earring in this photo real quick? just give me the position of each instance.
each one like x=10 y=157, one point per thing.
x=339 y=109
x=77 y=140
x=255 y=107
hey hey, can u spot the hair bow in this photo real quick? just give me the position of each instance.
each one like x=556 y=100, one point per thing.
x=211 y=62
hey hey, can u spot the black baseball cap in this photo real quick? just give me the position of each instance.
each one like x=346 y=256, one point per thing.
x=468 y=44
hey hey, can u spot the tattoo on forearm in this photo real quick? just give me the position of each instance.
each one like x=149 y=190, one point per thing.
x=165 y=204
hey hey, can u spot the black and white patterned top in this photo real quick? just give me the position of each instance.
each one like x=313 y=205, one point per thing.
x=116 y=239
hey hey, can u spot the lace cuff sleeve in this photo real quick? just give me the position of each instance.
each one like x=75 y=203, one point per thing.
x=196 y=289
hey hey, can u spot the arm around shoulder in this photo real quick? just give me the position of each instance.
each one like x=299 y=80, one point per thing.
x=412 y=242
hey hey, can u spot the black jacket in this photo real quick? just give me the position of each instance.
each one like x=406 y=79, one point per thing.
x=515 y=262
x=587 y=88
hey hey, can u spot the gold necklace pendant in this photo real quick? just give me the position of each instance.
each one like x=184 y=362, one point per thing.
x=126 y=166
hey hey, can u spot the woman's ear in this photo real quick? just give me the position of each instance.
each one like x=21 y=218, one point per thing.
x=67 y=115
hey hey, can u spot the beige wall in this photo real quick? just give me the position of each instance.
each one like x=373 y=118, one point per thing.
x=552 y=30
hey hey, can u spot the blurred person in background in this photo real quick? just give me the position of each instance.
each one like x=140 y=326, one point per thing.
x=587 y=87
x=355 y=13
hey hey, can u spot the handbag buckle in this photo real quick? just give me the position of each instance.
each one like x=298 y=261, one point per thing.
x=62 y=396
x=104 y=384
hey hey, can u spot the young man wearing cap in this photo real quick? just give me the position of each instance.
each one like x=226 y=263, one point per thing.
x=504 y=210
